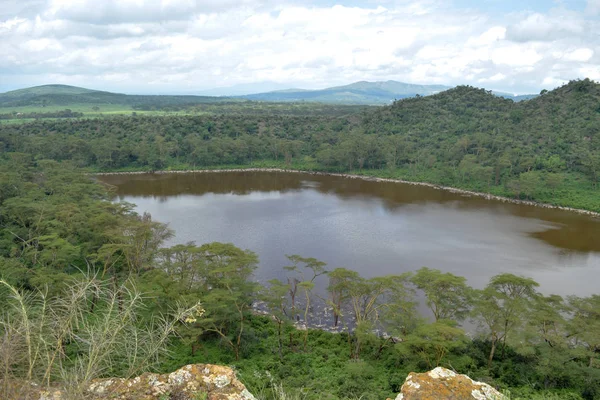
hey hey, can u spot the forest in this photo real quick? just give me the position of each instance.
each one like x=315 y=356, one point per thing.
x=545 y=149
x=89 y=289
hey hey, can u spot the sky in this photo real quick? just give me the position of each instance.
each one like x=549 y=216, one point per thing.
x=190 y=46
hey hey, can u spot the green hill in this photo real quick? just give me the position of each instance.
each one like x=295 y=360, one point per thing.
x=46 y=90
x=65 y=96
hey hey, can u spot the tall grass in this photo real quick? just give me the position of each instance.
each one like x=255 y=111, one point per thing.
x=93 y=330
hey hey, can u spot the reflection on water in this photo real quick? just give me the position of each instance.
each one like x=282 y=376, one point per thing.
x=375 y=228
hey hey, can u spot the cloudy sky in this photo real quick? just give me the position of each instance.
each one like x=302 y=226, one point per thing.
x=186 y=46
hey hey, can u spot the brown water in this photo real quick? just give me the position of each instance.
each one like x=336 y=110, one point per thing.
x=372 y=227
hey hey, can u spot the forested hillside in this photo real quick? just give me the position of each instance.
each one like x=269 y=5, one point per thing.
x=546 y=149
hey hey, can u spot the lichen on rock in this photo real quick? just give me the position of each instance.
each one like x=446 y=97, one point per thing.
x=441 y=383
x=192 y=382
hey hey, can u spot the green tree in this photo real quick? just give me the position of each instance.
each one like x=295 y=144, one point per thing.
x=433 y=342
x=228 y=300
x=448 y=295
x=501 y=307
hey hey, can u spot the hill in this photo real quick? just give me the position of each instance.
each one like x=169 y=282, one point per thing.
x=374 y=93
x=45 y=90
x=359 y=93
x=64 y=95
x=370 y=93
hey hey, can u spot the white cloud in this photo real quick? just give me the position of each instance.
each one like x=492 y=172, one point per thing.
x=580 y=55
x=182 y=45
x=123 y=11
x=593 y=7
x=541 y=27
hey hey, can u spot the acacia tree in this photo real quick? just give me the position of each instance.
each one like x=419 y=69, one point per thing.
x=448 y=295
x=585 y=326
x=186 y=263
x=313 y=268
x=141 y=241
x=339 y=285
x=501 y=307
x=545 y=336
x=432 y=342
x=307 y=287
x=230 y=291
x=275 y=299
x=377 y=303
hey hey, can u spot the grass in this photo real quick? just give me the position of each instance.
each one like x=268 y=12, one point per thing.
x=88 y=110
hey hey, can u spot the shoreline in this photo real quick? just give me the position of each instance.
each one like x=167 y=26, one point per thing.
x=450 y=189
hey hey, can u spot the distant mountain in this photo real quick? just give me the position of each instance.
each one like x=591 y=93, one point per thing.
x=65 y=95
x=244 y=89
x=356 y=93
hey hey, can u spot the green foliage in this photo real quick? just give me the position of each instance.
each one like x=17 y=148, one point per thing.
x=448 y=295
x=57 y=222
x=545 y=149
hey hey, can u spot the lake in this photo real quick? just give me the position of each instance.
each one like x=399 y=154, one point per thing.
x=375 y=228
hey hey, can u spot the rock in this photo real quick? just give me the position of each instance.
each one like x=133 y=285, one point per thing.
x=441 y=383
x=192 y=382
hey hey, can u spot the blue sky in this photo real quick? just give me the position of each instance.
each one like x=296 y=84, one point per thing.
x=189 y=46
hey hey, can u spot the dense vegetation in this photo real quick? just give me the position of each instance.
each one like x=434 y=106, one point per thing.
x=546 y=149
x=82 y=281
x=88 y=289
x=66 y=113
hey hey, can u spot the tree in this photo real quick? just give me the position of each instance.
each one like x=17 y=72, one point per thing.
x=591 y=165
x=527 y=184
x=140 y=241
x=585 y=326
x=433 y=342
x=339 y=290
x=228 y=300
x=307 y=287
x=378 y=303
x=448 y=296
x=316 y=268
x=501 y=307
x=275 y=299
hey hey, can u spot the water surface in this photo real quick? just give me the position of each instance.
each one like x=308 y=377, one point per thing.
x=375 y=228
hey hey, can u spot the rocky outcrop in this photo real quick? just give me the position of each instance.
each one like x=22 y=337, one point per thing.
x=192 y=382
x=441 y=383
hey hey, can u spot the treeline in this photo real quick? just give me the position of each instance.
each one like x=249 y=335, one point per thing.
x=545 y=149
x=67 y=95
x=256 y=108
x=66 y=113
x=83 y=279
